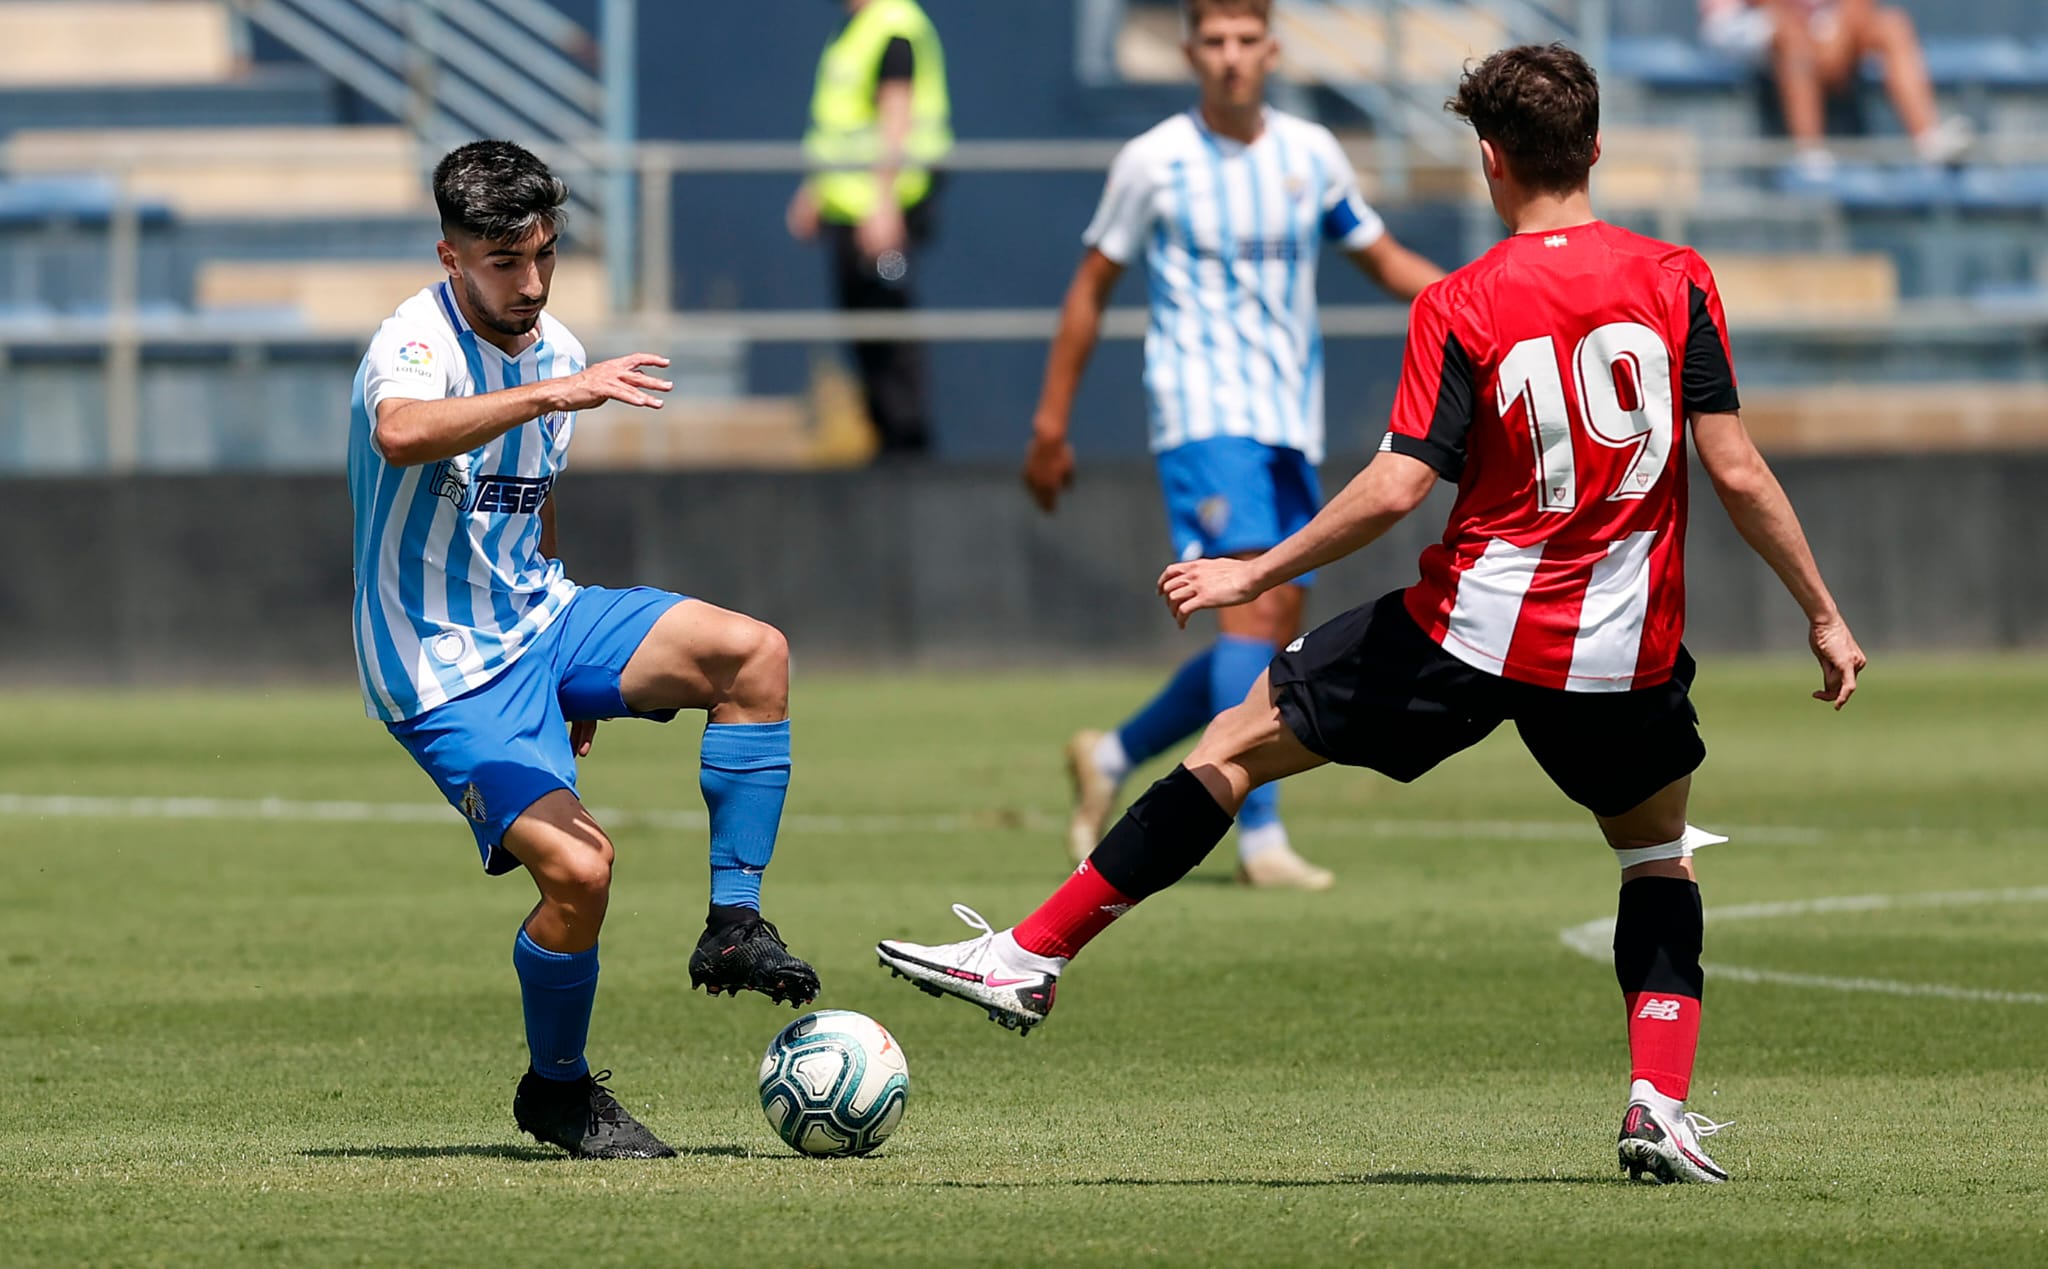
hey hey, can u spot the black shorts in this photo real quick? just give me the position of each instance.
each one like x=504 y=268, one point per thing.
x=1370 y=689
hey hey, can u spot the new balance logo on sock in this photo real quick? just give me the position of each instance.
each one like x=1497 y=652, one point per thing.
x=1660 y=1010
x=1115 y=909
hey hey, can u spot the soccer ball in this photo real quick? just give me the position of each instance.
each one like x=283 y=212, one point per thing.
x=834 y=1083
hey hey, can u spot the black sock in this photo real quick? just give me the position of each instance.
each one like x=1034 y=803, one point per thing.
x=1658 y=929
x=1162 y=837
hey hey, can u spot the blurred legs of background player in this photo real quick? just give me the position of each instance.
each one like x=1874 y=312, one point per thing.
x=892 y=372
x=1227 y=496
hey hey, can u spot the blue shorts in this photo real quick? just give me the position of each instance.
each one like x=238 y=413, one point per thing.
x=1231 y=494
x=499 y=748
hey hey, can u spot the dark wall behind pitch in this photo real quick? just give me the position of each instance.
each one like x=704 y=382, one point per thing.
x=234 y=579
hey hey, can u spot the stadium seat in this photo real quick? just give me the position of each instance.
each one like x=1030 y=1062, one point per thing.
x=38 y=200
x=101 y=42
x=1673 y=62
x=1992 y=62
x=1870 y=187
x=268 y=172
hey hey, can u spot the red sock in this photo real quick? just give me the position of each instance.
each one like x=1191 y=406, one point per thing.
x=1663 y=1032
x=1079 y=910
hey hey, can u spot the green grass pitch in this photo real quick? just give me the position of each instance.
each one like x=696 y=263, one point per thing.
x=244 y=1034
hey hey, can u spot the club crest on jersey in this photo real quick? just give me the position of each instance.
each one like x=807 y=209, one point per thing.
x=472 y=803
x=450 y=480
x=501 y=495
x=1295 y=187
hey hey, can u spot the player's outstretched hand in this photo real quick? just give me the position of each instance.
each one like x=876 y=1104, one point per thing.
x=1193 y=585
x=1840 y=659
x=582 y=734
x=1048 y=470
x=619 y=380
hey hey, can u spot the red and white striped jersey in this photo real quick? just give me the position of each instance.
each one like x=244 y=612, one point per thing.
x=1550 y=378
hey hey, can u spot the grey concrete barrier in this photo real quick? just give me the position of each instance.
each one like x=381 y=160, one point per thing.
x=246 y=578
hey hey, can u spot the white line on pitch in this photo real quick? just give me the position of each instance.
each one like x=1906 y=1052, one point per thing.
x=288 y=810
x=1593 y=939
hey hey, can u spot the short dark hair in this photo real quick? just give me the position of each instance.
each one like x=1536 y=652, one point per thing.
x=1540 y=104
x=498 y=192
x=1193 y=11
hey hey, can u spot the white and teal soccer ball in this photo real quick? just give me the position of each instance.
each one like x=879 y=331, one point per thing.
x=834 y=1083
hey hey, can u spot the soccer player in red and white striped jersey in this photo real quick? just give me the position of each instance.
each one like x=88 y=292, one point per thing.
x=1555 y=381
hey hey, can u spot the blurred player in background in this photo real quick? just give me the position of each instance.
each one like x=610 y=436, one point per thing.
x=1552 y=380
x=1229 y=203
x=492 y=668
x=880 y=117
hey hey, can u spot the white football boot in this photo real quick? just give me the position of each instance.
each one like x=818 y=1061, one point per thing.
x=1663 y=1145
x=1094 y=795
x=1277 y=867
x=990 y=970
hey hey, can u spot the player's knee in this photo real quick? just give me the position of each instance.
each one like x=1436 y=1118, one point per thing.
x=1229 y=741
x=584 y=874
x=768 y=652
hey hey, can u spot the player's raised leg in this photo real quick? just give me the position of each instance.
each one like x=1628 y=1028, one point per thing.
x=555 y=955
x=736 y=669
x=1165 y=833
x=1658 y=929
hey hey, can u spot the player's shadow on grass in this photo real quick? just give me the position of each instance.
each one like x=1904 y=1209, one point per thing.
x=521 y=1154
x=1282 y=1183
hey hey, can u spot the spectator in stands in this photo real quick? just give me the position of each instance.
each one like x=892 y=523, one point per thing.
x=879 y=119
x=1815 y=47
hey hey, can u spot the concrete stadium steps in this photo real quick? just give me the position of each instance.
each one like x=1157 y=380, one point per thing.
x=350 y=297
x=103 y=42
x=1322 y=43
x=1345 y=44
x=270 y=172
x=757 y=432
x=1894 y=418
x=1779 y=285
x=1649 y=168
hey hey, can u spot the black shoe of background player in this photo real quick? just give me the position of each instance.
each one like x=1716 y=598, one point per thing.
x=582 y=1117
x=741 y=952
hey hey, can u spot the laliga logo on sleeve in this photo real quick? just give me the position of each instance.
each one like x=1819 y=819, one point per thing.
x=416 y=358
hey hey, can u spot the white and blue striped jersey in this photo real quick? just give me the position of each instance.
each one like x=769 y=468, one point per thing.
x=1230 y=234
x=451 y=585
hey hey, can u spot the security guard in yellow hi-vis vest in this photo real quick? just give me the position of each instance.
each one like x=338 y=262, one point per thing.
x=880 y=119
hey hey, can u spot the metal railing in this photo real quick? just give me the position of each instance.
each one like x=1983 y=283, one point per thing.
x=566 y=88
x=652 y=320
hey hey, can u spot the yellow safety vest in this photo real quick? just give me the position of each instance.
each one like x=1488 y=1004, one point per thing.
x=844 y=138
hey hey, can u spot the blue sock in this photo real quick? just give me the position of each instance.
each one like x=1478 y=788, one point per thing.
x=1177 y=712
x=745 y=776
x=1236 y=666
x=557 y=989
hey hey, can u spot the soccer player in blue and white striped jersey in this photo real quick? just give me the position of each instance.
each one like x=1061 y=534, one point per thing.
x=1229 y=203
x=492 y=668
